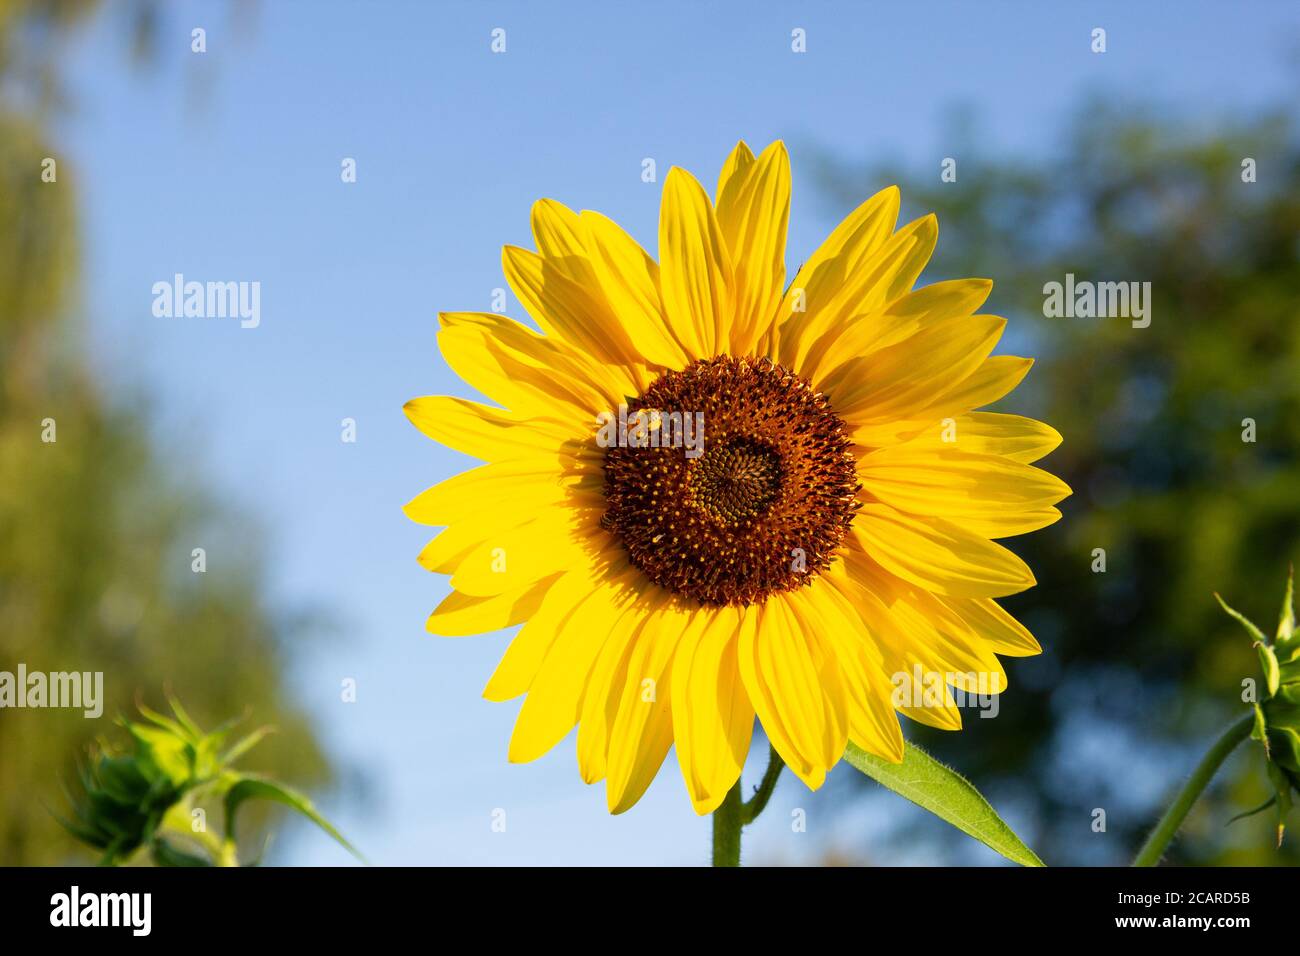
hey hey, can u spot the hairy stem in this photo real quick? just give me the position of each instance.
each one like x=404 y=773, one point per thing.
x=726 y=829
x=733 y=814
x=755 y=804
x=1165 y=830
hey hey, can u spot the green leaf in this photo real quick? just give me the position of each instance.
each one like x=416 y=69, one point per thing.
x=1250 y=813
x=945 y=793
x=248 y=787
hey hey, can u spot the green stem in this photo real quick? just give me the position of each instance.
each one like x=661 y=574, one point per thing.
x=733 y=814
x=726 y=829
x=1165 y=830
x=227 y=855
x=222 y=851
x=755 y=804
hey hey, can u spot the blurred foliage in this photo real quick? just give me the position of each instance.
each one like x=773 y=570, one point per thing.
x=95 y=531
x=32 y=35
x=1141 y=670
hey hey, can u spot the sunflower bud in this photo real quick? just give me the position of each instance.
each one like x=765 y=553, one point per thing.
x=125 y=795
x=1277 y=716
x=145 y=797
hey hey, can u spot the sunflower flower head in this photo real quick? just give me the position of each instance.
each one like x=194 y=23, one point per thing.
x=711 y=495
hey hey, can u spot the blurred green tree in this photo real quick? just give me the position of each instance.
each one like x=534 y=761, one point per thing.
x=96 y=531
x=1140 y=668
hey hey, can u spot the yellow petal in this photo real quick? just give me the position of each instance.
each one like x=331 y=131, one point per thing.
x=560 y=239
x=872 y=331
x=753 y=214
x=872 y=724
x=793 y=697
x=454 y=543
x=603 y=695
x=564 y=309
x=713 y=719
x=998 y=376
x=484 y=517
x=629 y=278
x=557 y=540
x=555 y=697
x=949 y=647
x=485 y=432
x=991 y=433
x=899 y=381
x=643 y=729
x=849 y=247
x=480 y=491
x=522 y=660
x=985 y=494
x=868 y=282
x=938 y=555
x=695 y=271
x=531 y=376
x=735 y=168
x=461 y=615
x=993 y=625
x=903 y=658
x=448 y=548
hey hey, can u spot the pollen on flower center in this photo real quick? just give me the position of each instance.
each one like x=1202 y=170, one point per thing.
x=762 y=508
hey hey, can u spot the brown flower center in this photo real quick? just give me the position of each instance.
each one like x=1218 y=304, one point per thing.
x=751 y=495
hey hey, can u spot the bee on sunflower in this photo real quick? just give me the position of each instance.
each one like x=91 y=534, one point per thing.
x=831 y=537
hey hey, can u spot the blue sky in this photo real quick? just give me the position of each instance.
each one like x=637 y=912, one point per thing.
x=226 y=166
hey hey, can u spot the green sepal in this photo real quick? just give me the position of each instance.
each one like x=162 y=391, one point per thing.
x=1255 y=633
x=246 y=744
x=1260 y=730
x=166 y=723
x=1268 y=663
x=1282 y=786
x=193 y=728
x=1284 y=739
x=1286 y=621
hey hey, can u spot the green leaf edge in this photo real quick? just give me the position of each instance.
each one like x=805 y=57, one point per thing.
x=1002 y=840
x=252 y=786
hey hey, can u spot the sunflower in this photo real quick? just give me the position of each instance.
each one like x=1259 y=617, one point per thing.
x=709 y=497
